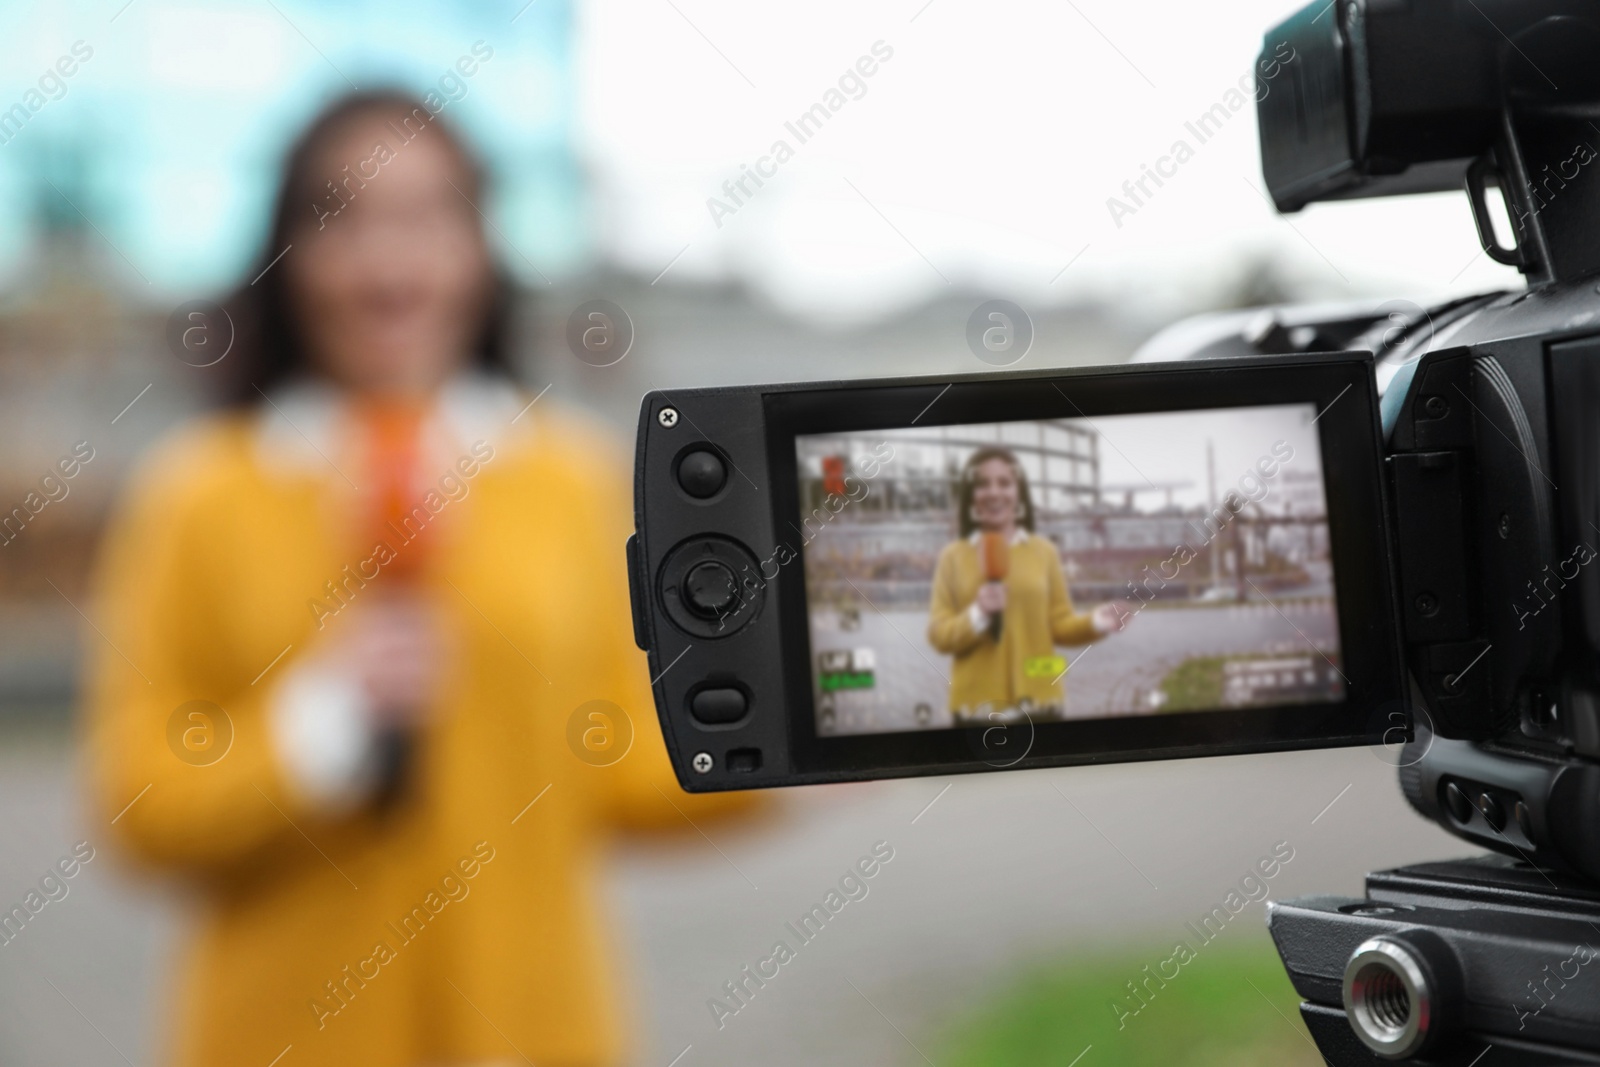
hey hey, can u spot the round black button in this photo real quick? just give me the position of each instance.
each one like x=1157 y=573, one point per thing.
x=701 y=473
x=1458 y=802
x=719 y=706
x=1493 y=812
x=1524 y=818
x=710 y=588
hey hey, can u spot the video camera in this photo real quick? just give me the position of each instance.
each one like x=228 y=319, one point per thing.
x=1279 y=529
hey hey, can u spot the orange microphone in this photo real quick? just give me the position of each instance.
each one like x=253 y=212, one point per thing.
x=995 y=554
x=391 y=438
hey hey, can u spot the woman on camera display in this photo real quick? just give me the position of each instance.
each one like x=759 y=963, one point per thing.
x=1000 y=602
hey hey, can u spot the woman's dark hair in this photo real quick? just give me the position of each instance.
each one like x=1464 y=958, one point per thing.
x=267 y=343
x=969 y=487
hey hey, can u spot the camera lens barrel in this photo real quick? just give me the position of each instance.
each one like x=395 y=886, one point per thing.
x=1403 y=993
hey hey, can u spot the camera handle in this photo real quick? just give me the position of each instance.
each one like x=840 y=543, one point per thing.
x=1541 y=170
x=1481 y=175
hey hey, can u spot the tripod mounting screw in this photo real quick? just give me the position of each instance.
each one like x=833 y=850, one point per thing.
x=1402 y=991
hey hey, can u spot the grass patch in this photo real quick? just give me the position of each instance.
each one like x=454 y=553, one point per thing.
x=1198 y=682
x=1227 y=1007
x=1194 y=685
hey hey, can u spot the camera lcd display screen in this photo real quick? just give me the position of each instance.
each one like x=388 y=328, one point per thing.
x=1068 y=569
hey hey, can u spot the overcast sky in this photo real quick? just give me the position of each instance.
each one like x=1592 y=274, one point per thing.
x=983 y=152
x=980 y=152
x=1171 y=446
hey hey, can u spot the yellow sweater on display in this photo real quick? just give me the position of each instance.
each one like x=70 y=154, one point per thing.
x=464 y=923
x=1038 y=616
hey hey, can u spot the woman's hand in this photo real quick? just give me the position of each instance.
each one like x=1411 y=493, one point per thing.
x=394 y=646
x=992 y=598
x=1112 y=617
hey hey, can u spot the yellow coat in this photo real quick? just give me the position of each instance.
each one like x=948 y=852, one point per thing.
x=1038 y=616
x=461 y=925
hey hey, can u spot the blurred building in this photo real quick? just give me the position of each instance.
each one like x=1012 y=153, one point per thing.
x=884 y=545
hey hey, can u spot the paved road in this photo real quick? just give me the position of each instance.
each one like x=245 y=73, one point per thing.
x=1000 y=869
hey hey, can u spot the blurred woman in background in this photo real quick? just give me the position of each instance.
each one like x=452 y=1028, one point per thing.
x=354 y=627
x=1000 y=602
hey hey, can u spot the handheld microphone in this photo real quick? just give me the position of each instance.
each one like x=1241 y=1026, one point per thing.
x=392 y=437
x=996 y=556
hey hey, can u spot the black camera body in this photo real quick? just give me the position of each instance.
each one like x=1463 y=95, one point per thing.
x=739 y=544
x=1411 y=562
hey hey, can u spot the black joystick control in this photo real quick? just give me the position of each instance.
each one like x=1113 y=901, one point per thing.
x=710 y=588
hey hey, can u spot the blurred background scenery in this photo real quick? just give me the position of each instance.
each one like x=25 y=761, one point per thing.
x=993 y=153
